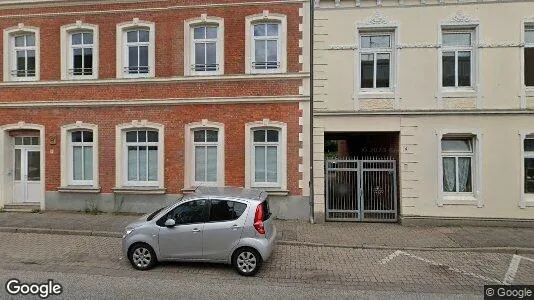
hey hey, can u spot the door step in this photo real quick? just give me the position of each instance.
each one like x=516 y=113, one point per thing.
x=26 y=207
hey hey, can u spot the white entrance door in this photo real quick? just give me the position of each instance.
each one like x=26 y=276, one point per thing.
x=27 y=183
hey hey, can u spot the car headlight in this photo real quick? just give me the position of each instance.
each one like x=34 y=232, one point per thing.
x=128 y=231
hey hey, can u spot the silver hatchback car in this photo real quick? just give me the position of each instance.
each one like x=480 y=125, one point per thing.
x=226 y=225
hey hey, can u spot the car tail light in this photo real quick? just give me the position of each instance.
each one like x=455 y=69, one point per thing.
x=258 y=219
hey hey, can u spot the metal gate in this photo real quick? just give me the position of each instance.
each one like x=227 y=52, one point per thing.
x=361 y=189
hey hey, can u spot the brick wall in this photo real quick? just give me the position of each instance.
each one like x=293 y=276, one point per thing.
x=169 y=32
x=174 y=118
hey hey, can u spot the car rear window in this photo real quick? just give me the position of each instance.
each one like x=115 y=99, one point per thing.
x=224 y=210
x=266 y=210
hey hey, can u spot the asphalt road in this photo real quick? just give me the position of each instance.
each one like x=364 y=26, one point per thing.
x=93 y=267
x=86 y=286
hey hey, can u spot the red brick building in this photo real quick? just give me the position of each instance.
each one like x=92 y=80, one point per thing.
x=124 y=106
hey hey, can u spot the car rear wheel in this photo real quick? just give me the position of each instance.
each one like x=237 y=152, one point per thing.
x=246 y=261
x=142 y=257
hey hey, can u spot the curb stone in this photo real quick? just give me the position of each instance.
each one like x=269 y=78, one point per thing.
x=61 y=231
x=508 y=250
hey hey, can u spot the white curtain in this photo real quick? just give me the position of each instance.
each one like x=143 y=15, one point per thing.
x=132 y=163
x=449 y=174
x=259 y=163
x=87 y=163
x=200 y=163
x=464 y=174
x=211 y=168
x=272 y=164
x=143 y=163
x=153 y=163
x=77 y=160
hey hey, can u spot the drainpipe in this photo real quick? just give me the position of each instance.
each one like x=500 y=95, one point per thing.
x=312 y=18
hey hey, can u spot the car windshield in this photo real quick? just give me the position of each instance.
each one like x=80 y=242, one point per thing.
x=152 y=215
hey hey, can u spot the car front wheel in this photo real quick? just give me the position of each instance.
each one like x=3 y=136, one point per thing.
x=246 y=261
x=142 y=257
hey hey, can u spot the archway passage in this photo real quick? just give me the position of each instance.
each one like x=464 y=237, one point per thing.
x=361 y=176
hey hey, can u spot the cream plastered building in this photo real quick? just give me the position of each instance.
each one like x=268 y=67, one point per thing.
x=444 y=88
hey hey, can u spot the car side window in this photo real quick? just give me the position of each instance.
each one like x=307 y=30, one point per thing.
x=188 y=213
x=224 y=210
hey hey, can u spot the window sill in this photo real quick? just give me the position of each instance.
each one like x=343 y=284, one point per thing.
x=273 y=191
x=459 y=93
x=529 y=91
x=376 y=95
x=459 y=200
x=88 y=189
x=206 y=73
x=145 y=190
x=275 y=71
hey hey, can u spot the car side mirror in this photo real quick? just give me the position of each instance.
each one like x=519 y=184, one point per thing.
x=170 y=223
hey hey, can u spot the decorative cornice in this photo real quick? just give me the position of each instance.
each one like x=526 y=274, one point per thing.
x=378 y=20
x=430 y=45
x=154 y=102
x=177 y=79
x=461 y=18
x=342 y=47
x=501 y=45
x=417 y=45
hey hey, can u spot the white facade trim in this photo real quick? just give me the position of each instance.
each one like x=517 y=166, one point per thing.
x=233 y=77
x=476 y=197
x=188 y=50
x=171 y=101
x=65 y=157
x=376 y=24
x=120 y=151
x=9 y=43
x=526 y=200
x=266 y=16
x=282 y=155
x=5 y=170
x=527 y=22
x=121 y=47
x=463 y=22
x=66 y=55
x=189 y=173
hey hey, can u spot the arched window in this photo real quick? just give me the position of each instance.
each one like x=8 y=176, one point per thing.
x=204 y=46
x=266 y=154
x=265 y=44
x=204 y=157
x=140 y=154
x=79 y=49
x=21 y=53
x=79 y=155
x=135 y=49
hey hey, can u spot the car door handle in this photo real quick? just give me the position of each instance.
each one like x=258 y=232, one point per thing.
x=235 y=227
x=196 y=230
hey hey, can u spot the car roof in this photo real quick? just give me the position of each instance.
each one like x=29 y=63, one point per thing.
x=230 y=192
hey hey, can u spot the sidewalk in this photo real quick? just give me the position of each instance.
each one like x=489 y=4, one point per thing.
x=355 y=235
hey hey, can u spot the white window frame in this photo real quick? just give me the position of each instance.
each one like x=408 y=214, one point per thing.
x=189 y=47
x=189 y=157
x=527 y=25
x=265 y=17
x=9 y=59
x=473 y=29
x=66 y=49
x=122 y=48
x=281 y=185
x=121 y=154
x=66 y=154
x=375 y=51
x=469 y=198
x=527 y=199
